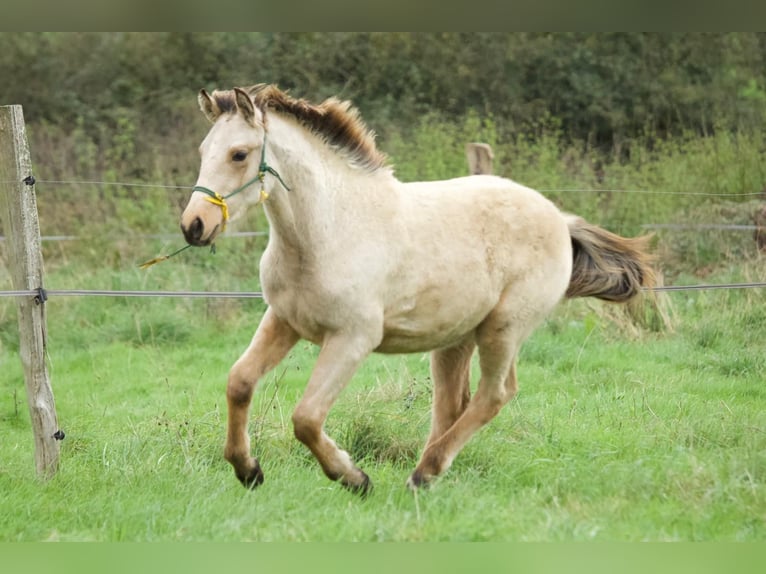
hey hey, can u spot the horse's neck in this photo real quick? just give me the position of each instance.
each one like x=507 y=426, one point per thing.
x=326 y=194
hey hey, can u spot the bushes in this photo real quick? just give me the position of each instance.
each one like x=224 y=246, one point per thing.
x=667 y=114
x=605 y=88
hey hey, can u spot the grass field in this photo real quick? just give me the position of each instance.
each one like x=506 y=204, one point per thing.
x=616 y=434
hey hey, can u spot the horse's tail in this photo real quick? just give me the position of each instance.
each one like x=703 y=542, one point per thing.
x=606 y=265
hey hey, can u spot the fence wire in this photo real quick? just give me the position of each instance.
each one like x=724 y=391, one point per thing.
x=142 y=236
x=45 y=293
x=541 y=190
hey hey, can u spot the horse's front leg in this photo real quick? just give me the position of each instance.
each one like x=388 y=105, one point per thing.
x=338 y=359
x=271 y=342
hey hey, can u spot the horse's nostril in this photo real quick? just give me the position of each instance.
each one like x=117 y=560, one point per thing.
x=196 y=228
x=193 y=233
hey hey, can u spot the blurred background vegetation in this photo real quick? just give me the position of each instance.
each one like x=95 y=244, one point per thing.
x=673 y=114
x=604 y=89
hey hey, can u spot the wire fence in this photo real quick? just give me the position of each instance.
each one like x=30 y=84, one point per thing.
x=145 y=236
x=656 y=226
x=541 y=190
x=715 y=226
x=43 y=294
x=106 y=183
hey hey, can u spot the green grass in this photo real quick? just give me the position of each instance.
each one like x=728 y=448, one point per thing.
x=613 y=436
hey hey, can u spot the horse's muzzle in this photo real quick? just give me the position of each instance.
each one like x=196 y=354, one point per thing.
x=194 y=232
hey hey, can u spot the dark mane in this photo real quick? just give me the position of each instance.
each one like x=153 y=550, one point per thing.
x=225 y=101
x=336 y=121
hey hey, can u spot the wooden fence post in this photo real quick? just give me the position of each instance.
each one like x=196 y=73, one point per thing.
x=479 y=157
x=18 y=209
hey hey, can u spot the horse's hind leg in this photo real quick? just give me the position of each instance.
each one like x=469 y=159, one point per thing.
x=450 y=371
x=271 y=342
x=498 y=344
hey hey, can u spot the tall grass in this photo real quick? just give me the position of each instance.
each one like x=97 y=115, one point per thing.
x=618 y=433
x=657 y=181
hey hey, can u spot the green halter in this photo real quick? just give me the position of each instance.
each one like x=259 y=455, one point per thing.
x=264 y=168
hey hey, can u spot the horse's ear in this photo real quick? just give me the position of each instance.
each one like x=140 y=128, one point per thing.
x=245 y=105
x=208 y=106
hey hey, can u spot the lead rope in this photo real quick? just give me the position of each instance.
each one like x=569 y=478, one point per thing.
x=217 y=199
x=147 y=264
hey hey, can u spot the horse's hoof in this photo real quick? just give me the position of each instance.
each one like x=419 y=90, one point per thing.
x=362 y=489
x=417 y=480
x=252 y=478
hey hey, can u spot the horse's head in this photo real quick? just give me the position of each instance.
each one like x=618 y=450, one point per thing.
x=230 y=158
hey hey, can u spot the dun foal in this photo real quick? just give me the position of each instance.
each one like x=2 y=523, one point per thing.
x=358 y=262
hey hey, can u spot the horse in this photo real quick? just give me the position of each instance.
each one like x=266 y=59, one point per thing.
x=358 y=262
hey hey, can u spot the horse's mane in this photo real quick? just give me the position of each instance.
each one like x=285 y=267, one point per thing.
x=334 y=120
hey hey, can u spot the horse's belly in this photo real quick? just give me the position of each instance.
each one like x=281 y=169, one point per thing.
x=414 y=342
x=431 y=325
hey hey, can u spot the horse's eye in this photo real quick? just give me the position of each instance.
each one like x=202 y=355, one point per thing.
x=239 y=156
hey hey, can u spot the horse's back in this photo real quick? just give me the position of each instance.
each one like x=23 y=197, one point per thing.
x=496 y=197
x=489 y=212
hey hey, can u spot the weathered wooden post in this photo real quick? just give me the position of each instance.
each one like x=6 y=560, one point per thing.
x=479 y=157
x=759 y=218
x=18 y=209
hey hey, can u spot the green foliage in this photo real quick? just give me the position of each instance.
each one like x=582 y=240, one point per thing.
x=605 y=88
x=435 y=148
